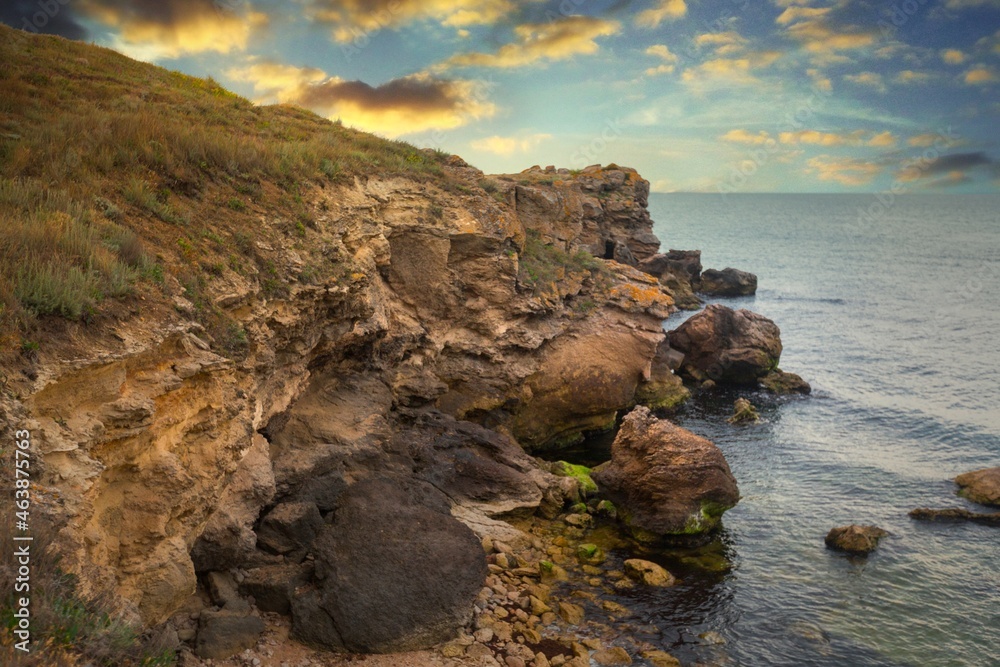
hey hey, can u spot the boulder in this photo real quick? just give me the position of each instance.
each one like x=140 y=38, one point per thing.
x=289 y=527
x=223 y=633
x=727 y=282
x=727 y=346
x=981 y=486
x=273 y=586
x=955 y=514
x=855 y=539
x=666 y=482
x=396 y=572
x=781 y=383
x=685 y=264
x=648 y=573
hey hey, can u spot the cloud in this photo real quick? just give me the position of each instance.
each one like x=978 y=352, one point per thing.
x=158 y=29
x=883 y=140
x=824 y=32
x=966 y=4
x=401 y=106
x=909 y=76
x=927 y=139
x=854 y=138
x=852 y=172
x=819 y=80
x=350 y=19
x=509 y=145
x=949 y=164
x=871 y=79
x=981 y=75
x=730 y=71
x=665 y=10
x=740 y=136
x=540 y=42
x=723 y=43
x=662 y=52
x=28 y=15
x=953 y=56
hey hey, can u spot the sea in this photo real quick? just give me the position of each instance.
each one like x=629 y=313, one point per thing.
x=890 y=308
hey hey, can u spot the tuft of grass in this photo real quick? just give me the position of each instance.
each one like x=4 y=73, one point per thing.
x=543 y=264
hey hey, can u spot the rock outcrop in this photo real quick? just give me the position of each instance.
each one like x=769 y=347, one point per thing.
x=855 y=539
x=727 y=346
x=666 y=482
x=980 y=486
x=727 y=282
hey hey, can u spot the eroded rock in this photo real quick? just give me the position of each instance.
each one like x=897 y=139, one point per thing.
x=665 y=481
x=727 y=282
x=727 y=346
x=981 y=486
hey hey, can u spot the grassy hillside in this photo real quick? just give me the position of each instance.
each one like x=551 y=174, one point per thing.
x=113 y=172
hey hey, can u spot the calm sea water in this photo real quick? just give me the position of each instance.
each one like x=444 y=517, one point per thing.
x=895 y=323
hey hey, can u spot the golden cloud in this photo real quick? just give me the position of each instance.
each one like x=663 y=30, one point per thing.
x=509 y=145
x=152 y=30
x=665 y=10
x=952 y=56
x=883 y=140
x=410 y=104
x=539 y=42
x=740 y=136
x=870 y=79
x=820 y=35
x=981 y=75
x=908 y=76
x=732 y=71
x=723 y=43
x=662 y=52
x=352 y=19
x=852 y=172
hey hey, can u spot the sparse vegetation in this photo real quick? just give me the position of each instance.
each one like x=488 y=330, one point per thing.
x=67 y=629
x=542 y=264
x=102 y=156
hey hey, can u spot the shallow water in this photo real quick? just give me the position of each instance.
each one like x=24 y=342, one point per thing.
x=894 y=323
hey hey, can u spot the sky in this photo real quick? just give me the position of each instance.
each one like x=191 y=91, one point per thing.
x=897 y=96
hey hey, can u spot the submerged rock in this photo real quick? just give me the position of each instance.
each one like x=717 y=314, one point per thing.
x=781 y=383
x=666 y=482
x=727 y=346
x=743 y=411
x=981 y=486
x=395 y=571
x=955 y=514
x=855 y=539
x=648 y=573
x=728 y=282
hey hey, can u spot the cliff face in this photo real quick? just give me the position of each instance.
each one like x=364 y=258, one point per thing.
x=467 y=298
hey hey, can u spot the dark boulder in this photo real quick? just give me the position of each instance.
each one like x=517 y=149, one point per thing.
x=727 y=346
x=273 y=586
x=289 y=527
x=395 y=571
x=727 y=282
x=781 y=383
x=223 y=633
x=855 y=539
x=667 y=484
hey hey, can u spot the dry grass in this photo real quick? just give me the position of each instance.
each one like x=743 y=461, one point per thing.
x=95 y=147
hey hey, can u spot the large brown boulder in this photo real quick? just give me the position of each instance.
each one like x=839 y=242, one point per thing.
x=728 y=282
x=396 y=572
x=727 y=346
x=981 y=486
x=666 y=482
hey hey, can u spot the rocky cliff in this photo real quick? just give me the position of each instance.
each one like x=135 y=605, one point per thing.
x=439 y=298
